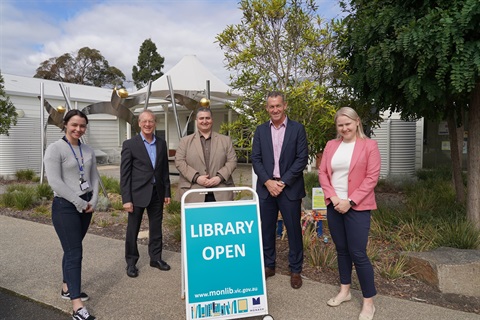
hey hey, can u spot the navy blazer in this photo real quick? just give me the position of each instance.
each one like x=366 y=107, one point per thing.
x=293 y=159
x=136 y=172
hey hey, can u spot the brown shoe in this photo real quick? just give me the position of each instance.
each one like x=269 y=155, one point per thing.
x=269 y=272
x=296 y=280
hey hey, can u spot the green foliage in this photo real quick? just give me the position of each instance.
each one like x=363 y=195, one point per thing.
x=394 y=268
x=311 y=181
x=8 y=200
x=410 y=57
x=43 y=211
x=422 y=59
x=286 y=46
x=44 y=191
x=26 y=175
x=462 y=235
x=174 y=207
x=112 y=185
x=18 y=187
x=87 y=67
x=8 y=115
x=117 y=205
x=173 y=220
x=103 y=223
x=149 y=64
x=24 y=199
x=20 y=196
x=427 y=218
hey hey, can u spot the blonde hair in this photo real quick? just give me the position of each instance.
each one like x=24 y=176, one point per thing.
x=352 y=114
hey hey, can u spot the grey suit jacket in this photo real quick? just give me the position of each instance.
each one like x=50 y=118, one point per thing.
x=189 y=161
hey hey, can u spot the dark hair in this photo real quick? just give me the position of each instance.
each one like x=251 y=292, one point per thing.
x=72 y=113
x=203 y=109
x=273 y=94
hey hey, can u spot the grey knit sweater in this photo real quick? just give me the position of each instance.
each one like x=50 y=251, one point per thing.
x=63 y=172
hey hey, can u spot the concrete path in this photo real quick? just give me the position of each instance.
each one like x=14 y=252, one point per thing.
x=30 y=264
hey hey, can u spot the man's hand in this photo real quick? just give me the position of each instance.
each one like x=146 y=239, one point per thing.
x=128 y=207
x=202 y=180
x=274 y=187
x=207 y=182
x=213 y=182
x=166 y=200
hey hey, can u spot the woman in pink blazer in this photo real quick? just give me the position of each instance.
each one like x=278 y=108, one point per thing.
x=348 y=174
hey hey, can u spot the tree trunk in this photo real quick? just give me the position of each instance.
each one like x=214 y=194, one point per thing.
x=473 y=167
x=456 y=164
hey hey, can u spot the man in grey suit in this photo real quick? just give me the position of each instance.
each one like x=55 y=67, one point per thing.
x=205 y=159
x=279 y=156
x=145 y=184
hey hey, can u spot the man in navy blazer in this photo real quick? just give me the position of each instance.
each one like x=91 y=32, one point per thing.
x=145 y=184
x=279 y=156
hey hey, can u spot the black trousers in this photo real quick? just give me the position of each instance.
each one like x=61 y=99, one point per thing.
x=155 y=242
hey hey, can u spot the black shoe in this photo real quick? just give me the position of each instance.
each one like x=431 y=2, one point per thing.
x=66 y=295
x=132 y=271
x=82 y=314
x=160 y=264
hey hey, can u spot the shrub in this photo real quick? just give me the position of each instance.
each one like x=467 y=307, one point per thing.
x=26 y=174
x=112 y=185
x=393 y=268
x=44 y=191
x=117 y=205
x=102 y=223
x=311 y=181
x=174 y=207
x=8 y=200
x=174 y=222
x=459 y=234
x=43 y=211
x=17 y=187
x=102 y=204
x=24 y=200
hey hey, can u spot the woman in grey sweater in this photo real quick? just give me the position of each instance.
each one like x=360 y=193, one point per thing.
x=72 y=173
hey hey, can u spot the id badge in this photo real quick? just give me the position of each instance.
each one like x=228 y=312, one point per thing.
x=84 y=185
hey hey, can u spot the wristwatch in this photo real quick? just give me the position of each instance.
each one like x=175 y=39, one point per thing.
x=352 y=203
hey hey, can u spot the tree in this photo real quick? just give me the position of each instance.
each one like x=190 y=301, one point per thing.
x=281 y=45
x=422 y=59
x=87 y=67
x=8 y=115
x=150 y=64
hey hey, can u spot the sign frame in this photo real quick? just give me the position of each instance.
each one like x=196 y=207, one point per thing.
x=219 y=236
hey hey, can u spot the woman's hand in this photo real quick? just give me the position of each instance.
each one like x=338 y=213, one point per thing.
x=89 y=208
x=342 y=206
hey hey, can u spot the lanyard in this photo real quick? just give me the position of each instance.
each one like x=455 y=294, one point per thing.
x=80 y=167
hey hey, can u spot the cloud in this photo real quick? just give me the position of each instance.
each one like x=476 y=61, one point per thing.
x=117 y=29
x=32 y=31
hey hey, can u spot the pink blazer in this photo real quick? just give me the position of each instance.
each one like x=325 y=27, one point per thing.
x=362 y=176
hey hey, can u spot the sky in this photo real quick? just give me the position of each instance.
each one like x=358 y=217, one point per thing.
x=32 y=31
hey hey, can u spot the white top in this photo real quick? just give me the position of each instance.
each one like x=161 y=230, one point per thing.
x=340 y=168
